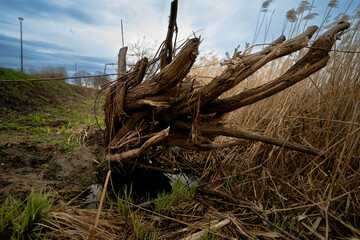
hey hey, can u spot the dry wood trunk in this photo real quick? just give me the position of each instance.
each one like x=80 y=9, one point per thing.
x=170 y=109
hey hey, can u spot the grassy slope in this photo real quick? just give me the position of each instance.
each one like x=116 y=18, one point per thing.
x=40 y=113
x=29 y=96
x=41 y=110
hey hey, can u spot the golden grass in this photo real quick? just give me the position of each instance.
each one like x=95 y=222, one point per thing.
x=206 y=67
x=310 y=196
x=323 y=111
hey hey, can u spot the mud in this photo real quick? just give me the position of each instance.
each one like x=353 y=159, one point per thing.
x=35 y=165
x=28 y=165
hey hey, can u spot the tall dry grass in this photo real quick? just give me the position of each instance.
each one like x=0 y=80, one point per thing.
x=308 y=196
x=206 y=67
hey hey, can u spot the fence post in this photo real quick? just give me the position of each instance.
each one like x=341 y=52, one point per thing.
x=122 y=61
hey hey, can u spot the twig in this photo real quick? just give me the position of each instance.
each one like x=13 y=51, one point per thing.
x=199 y=235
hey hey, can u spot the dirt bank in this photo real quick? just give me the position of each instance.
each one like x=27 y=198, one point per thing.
x=39 y=166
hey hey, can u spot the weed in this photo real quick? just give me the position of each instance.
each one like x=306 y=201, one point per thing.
x=101 y=122
x=67 y=145
x=143 y=231
x=210 y=235
x=6 y=74
x=37 y=118
x=45 y=99
x=62 y=110
x=48 y=130
x=231 y=180
x=123 y=206
x=9 y=211
x=18 y=220
x=323 y=111
x=3 y=127
x=180 y=193
x=39 y=83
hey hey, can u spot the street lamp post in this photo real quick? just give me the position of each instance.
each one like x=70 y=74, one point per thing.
x=22 y=63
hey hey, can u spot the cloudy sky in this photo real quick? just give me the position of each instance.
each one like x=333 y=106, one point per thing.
x=87 y=32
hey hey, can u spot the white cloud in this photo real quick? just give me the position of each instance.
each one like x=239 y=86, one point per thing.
x=92 y=28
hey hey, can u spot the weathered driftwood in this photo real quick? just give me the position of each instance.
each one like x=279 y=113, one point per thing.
x=313 y=61
x=137 y=151
x=239 y=71
x=137 y=111
x=122 y=61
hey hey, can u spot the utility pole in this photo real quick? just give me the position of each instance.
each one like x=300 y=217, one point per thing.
x=122 y=33
x=22 y=62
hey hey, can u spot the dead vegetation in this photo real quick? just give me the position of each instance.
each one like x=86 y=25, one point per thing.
x=169 y=107
x=248 y=189
x=250 y=183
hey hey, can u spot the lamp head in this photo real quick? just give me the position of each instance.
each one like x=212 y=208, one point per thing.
x=20 y=18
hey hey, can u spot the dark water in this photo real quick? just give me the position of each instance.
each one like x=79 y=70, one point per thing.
x=144 y=184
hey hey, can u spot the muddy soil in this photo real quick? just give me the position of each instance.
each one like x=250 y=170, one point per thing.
x=27 y=158
x=34 y=165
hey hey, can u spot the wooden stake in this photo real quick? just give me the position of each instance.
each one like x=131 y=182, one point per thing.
x=122 y=61
x=100 y=206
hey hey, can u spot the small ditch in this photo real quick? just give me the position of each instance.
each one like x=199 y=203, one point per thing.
x=143 y=184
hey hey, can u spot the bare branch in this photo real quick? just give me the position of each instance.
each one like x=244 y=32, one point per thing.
x=137 y=151
x=239 y=71
x=313 y=61
x=223 y=131
x=168 y=48
x=189 y=144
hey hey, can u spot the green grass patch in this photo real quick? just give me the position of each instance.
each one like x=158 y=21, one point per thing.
x=144 y=231
x=124 y=204
x=37 y=118
x=18 y=220
x=39 y=83
x=9 y=74
x=43 y=111
x=58 y=124
x=180 y=193
x=210 y=235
